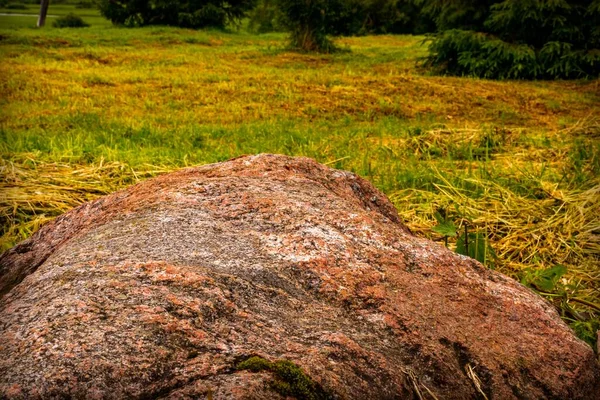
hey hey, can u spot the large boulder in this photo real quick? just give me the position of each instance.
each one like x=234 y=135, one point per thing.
x=265 y=277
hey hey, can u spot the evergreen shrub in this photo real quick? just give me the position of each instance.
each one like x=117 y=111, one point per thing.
x=70 y=21
x=520 y=39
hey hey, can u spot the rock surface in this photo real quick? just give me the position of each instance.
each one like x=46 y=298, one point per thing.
x=163 y=289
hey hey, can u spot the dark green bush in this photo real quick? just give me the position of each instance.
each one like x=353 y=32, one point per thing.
x=16 y=6
x=70 y=21
x=84 y=4
x=519 y=39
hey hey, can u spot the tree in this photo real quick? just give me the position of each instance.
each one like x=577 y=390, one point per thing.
x=456 y=14
x=310 y=22
x=392 y=16
x=265 y=17
x=518 y=39
x=43 y=11
x=186 y=14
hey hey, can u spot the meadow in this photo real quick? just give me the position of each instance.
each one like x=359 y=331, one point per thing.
x=85 y=112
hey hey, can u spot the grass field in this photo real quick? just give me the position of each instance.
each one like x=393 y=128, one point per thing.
x=84 y=112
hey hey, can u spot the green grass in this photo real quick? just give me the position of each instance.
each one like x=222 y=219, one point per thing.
x=88 y=111
x=15 y=22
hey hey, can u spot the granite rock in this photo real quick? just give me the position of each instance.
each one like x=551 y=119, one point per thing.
x=163 y=289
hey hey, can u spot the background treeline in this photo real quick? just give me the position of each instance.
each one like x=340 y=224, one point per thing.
x=183 y=13
x=347 y=17
x=498 y=39
x=495 y=39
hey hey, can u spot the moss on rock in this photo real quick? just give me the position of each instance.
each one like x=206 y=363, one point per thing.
x=289 y=379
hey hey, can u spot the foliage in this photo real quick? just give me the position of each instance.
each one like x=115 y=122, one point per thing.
x=360 y=17
x=311 y=22
x=456 y=14
x=84 y=4
x=265 y=17
x=549 y=282
x=476 y=246
x=458 y=52
x=587 y=331
x=538 y=22
x=392 y=16
x=471 y=244
x=516 y=39
x=16 y=6
x=70 y=21
x=543 y=279
x=186 y=14
x=445 y=227
x=351 y=17
x=290 y=380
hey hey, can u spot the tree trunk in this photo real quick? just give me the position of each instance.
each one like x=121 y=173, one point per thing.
x=43 y=12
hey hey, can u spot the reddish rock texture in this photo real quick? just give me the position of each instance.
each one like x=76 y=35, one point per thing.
x=160 y=290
